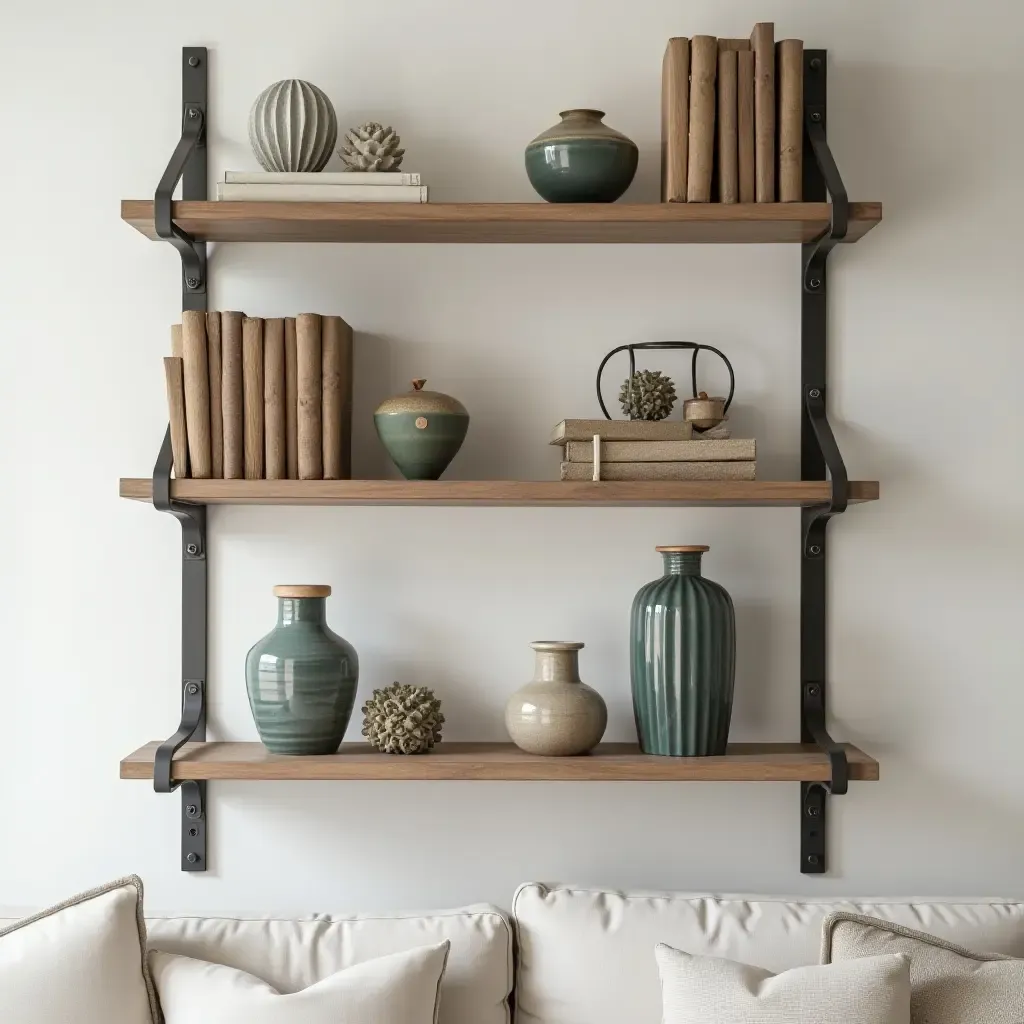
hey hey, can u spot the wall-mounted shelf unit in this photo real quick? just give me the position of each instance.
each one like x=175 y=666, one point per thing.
x=822 y=766
x=501 y=762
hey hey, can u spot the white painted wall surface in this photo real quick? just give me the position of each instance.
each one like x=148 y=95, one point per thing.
x=926 y=659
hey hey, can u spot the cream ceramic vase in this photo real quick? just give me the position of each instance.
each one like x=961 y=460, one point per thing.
x=555 y=714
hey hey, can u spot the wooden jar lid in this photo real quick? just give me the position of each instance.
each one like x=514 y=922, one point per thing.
x=683 y=547
x=302 y=590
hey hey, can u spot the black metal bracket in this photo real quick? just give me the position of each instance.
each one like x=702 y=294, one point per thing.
x=820 y=459
x=187 y=165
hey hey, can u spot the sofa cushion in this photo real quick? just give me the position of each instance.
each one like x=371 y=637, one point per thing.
x=709 y=990
x=294 y=953
x=949 y=984
x=83 y=960
x=586 y=954
x=401 y=988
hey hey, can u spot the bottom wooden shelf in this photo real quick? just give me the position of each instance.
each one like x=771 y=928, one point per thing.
x=501 y=762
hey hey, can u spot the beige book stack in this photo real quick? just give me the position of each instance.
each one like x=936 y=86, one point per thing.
x=732 y=119
x=641 y=450
x=259 y=399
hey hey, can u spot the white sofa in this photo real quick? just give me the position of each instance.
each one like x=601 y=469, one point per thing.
x=566 y=955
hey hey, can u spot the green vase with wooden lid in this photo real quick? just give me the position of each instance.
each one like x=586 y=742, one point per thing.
x=422 y=431
x=302 y=677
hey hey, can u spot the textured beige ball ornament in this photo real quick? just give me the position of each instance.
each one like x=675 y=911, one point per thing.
x=372 y=147
x=556 y=715
x=292 y=127
x=402 y=719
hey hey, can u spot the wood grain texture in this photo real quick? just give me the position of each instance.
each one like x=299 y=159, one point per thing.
x=275 y=427
x=745 y=151
x=701 y=153
x=174 y=380
x=501 y=762
x=762 y=42
x=790 y=73
x=176 y=344
x=232 y=395
x=675 y=119
x=253 y=399
x=215 y=355
x=733 y=44
x=500 y=492
x=598 y=223
x=336 y=341
x=291 y=397
x=197 y=392
x=309 y=365
x=673 y=470
x=728 y=163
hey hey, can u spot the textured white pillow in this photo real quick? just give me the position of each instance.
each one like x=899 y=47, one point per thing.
x=707 y=990
x=81 y=962
x=402 y=988
x=948 y=984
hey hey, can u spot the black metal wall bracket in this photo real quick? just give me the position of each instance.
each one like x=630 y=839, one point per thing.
x=820 y=459
x=188 y=165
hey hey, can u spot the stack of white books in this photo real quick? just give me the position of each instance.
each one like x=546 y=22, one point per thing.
x=321 y=187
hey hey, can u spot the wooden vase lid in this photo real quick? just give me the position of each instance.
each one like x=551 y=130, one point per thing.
x=302 y=590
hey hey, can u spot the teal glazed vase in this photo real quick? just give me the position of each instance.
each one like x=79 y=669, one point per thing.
x=581 y=160
x=682 y=659
x=302 y=677
x=421 y=430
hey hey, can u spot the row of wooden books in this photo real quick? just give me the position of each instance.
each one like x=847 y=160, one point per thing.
x=638 y=450
x=732 y=119
x=259 y=399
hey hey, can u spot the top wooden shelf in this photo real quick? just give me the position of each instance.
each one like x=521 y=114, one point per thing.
x=502 y=222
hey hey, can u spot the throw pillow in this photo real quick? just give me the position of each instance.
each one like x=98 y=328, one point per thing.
x=403 y=988
x=707 y=990
x=83 y=960
x=948 y=984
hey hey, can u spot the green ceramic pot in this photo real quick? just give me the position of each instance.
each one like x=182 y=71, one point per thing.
x=422 y=431
x=581 y=160
x=302 y=677
x=682 y=659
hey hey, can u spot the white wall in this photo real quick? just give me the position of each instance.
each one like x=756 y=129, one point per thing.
x=926 y=656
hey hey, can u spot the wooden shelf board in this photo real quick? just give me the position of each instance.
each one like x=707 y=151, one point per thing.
x=498 y=492
x=501 y=222
x=501 y=762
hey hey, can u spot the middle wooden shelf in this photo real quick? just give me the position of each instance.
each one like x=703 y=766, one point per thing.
x=501 y=762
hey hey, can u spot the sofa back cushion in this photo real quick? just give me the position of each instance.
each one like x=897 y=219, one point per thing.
x=586 y=956
x=292 y=954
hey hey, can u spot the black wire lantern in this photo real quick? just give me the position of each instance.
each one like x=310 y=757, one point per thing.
x=662 y=346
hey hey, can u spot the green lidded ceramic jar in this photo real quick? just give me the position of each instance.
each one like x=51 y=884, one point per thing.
x=581 y=160
x=302 y=677
x=422 y=431
x=682 y=651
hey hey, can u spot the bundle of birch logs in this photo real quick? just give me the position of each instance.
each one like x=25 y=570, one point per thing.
x=259 y=399
x=732 y=119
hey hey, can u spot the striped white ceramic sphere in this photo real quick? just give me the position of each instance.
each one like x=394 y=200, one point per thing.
x=292 y=127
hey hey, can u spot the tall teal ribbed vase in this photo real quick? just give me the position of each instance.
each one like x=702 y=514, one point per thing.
x=302 y=677
x=682 y=642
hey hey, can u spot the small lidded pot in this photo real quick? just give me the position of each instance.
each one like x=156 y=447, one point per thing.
x=422 y=431
x=556 y=715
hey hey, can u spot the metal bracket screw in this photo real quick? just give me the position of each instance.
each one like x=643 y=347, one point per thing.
x=814 y=549
x=815 y=63
x=816 y=117
x=813 y=812
x=814 y=393
x=191 y=810
x=192 y=282
x=192 y=858
x=193 y=62
x=192 y=689
x=192 y=549
x=192 y=113
x=813 y=859
x=814 y=283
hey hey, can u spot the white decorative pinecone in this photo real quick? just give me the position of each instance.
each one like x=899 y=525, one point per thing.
x=653 y=395
x=371 y=147
x=402 y=719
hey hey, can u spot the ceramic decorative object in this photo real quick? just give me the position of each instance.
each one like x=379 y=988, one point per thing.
x=402 y=719
x=703 y=412
x=647 y=395
x=292 y=127
x=302 y=677
x=422 y=431
x=581 y=160
x=556 y=715
x=682 y=642
x=372 y=147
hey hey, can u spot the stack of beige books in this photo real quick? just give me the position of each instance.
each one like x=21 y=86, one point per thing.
x=641 y=450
